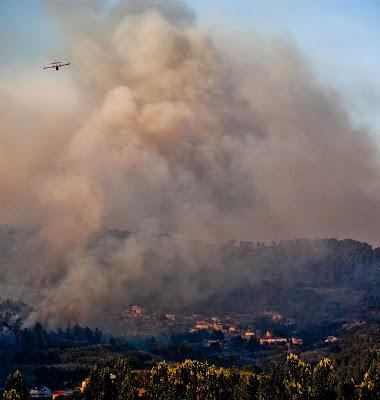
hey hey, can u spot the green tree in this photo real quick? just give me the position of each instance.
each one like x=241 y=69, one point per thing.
x=158 y=387
x=348 y=390
x=324 y=382
x=271 y=385
x=101 y=385
x=243 y=390
x=298 y=378
x=11 y=395
x=16 y=386
x=369 y=389
x=125 y=387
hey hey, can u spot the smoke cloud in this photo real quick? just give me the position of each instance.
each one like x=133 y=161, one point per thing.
x=162 y=128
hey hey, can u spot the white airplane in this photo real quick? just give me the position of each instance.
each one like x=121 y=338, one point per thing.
x=56 y=65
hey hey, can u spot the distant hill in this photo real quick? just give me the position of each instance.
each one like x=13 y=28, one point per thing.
x=310 y=281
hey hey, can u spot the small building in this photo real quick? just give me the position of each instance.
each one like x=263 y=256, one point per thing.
x=296 y=341
x=41 y=392
x=268 y=338
x=201 y=325
x=61 y=394
x=211 y=343
x=249 y=334
x=137 y=310
x=170 y=317
x=331 y=339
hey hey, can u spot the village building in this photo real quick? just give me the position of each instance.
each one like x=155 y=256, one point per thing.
x=296 y=341
x=40 y=392
x=136 y=310
x=201 y=325
x=60 y=394
x=331 y=339
x=249 y=334
x=170 y=317
x=268 y=338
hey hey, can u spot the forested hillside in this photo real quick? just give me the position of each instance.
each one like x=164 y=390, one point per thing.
x=311 y=281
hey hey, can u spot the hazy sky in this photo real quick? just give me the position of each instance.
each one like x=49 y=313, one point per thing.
x=340 y=37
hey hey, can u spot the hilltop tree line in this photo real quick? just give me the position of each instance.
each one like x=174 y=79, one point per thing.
x=332 y=279
x=37 y=337
x=195 y=380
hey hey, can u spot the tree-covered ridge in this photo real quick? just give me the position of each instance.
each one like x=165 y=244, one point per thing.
x=355 y=352
x=330 y=275
x=194 y=380
x=307 y=280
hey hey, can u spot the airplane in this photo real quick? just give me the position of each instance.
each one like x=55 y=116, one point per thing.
x=56 y=65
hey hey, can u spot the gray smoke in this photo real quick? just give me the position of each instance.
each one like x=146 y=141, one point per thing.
x=162 y=128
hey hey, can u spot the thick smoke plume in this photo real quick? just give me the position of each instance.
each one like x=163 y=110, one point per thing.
x=162 y=128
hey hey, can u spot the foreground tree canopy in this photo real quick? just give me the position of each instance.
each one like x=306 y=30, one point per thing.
x=195 y=380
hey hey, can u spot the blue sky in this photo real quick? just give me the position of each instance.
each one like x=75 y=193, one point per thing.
x=340 y=37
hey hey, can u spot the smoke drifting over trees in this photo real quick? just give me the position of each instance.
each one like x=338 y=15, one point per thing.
x=165 y=129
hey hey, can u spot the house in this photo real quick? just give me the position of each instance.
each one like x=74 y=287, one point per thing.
x=268 y=338
x=201 y=325
x=249 y=334
x=211 y=343
x=331 y=339
x=296 y=341
x=170 y=317
x=136 y=310
x=41 y=392
x=60 y=394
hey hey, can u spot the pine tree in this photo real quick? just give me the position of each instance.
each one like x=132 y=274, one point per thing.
x=369 y=389
x=16 y=386
x=324 y=382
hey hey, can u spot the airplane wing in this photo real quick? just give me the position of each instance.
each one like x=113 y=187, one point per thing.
x=63 y=65
x=49 y=67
